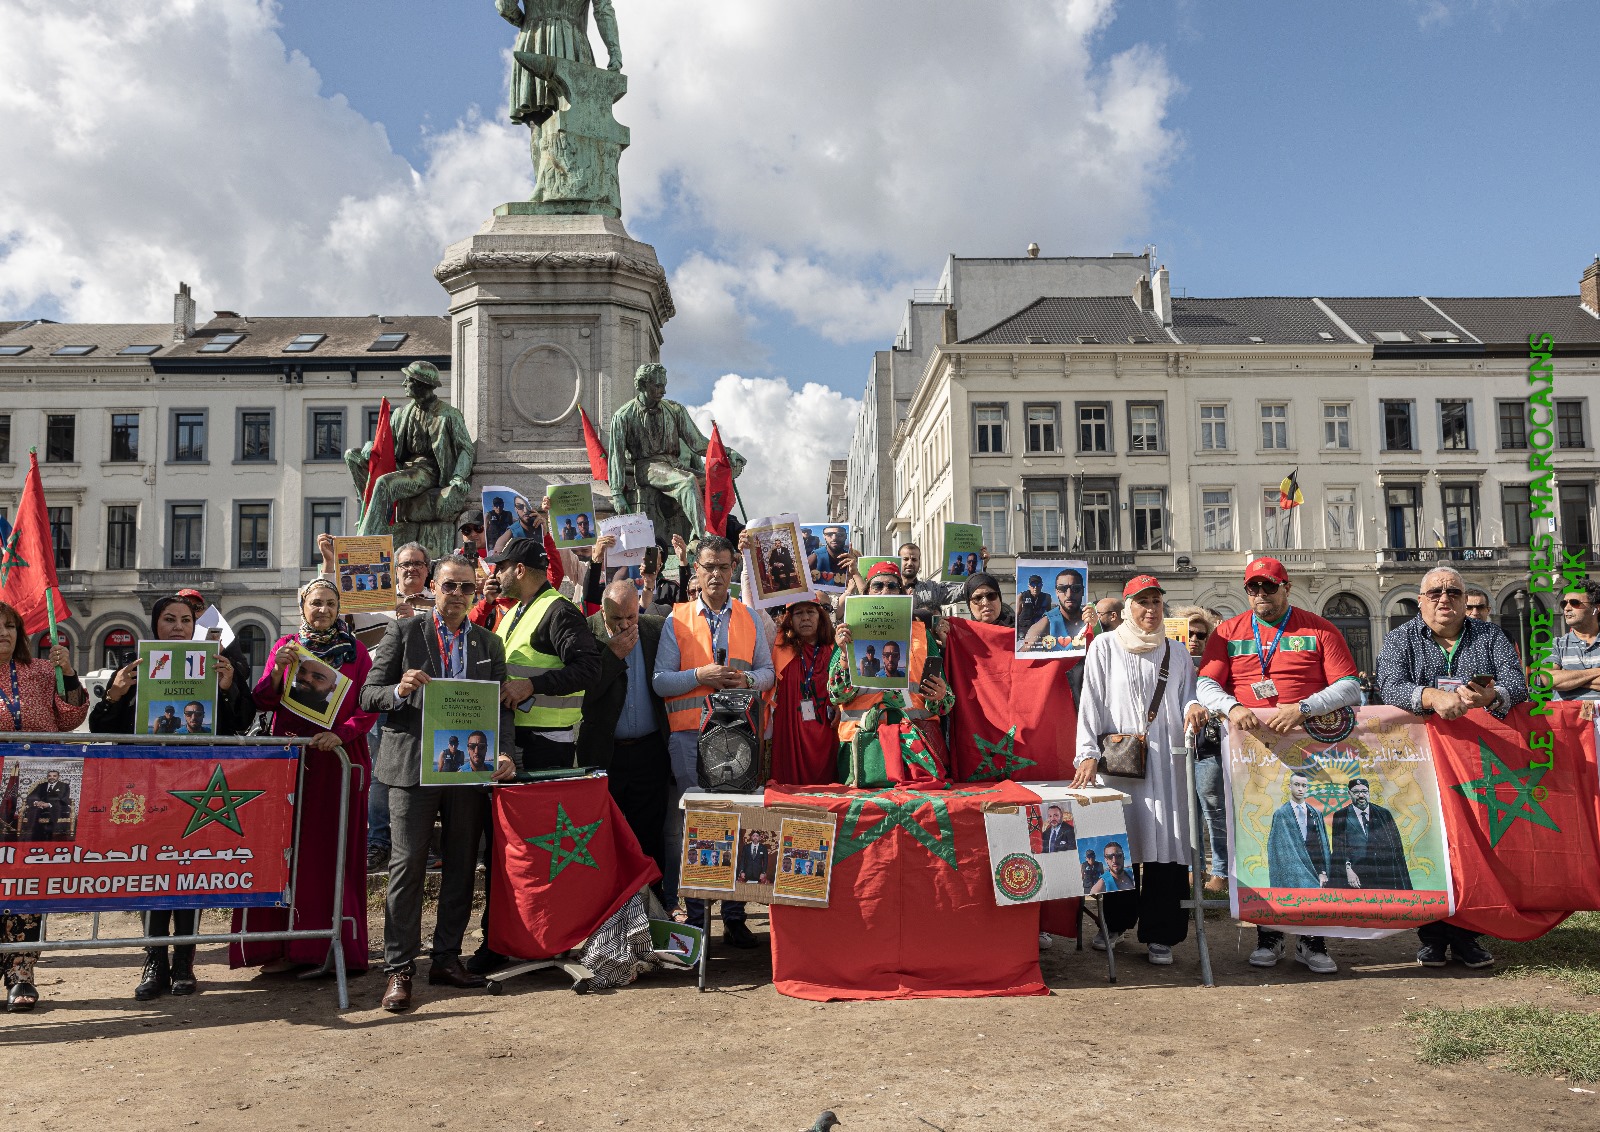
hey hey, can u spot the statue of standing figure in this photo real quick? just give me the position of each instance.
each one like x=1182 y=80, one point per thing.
x=656 y=457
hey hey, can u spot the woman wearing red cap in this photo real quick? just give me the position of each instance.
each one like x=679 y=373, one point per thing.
x=1137 y=682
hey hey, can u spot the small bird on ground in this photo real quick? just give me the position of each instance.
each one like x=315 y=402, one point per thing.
x=824 y=1122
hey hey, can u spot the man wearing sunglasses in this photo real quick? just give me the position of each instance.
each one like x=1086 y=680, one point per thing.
x=1444 y=663
x=1577 y=651
x=1275 y=667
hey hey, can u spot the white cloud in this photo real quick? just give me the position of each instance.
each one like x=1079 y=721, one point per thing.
x=788 y=437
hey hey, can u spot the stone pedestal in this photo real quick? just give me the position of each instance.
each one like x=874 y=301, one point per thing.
x=548 y=313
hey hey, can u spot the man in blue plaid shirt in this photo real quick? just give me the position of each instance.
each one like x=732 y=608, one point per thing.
x=1445 y=663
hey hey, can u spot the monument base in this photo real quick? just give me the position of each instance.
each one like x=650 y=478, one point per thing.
x=548 y=314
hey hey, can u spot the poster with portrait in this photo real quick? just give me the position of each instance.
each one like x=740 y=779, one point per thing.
x=42 y=794
x=1050 y=608
x=1336 y=829
x=826 y=545
x=803 y=868
x=962 y=545
x=781 y=855
x=313 y=689
x=460 y=728
x=1176 y=629
x=776 y=564
x=507 y=514
x=176 y=693
x=880 y=645
x=572 y=522
x=710 y=851
x=366 y=573
x=1057 y=848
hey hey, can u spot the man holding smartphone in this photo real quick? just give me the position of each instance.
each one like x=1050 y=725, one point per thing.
x=1446 y=663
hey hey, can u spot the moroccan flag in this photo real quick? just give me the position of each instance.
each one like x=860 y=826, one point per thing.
x=1013 y=718
x=565 y=861
x=381 y=462
x=28 y=562
x=719 y=484
x=1289 y=495
x=1523 y=821
x=599 y=468
x=911 y=910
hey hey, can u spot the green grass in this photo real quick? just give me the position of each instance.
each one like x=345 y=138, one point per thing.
x=1526 y=1039
x=1569 y=955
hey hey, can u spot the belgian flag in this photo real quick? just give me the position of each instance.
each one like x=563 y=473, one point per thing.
x=1289 y=496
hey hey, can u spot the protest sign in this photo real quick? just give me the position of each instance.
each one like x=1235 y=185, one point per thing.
x=635 y=534
x=313 y=689
x=572 y=516
x=825 y=545
x=1050 y=620
x=213 y=626
x=1056 y=849
x=962 y=542
x=460 y=731
x=1176 y=629
x=880 y=631
x=710 y=859
x=805 y=859
x=781 y=855
x=132 y=827
x=507 y=514
x=777 y=563
x=366 y=573
x=177 y=688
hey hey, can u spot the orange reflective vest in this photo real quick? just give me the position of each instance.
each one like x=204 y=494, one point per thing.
x=693 y=635
x=851 y=714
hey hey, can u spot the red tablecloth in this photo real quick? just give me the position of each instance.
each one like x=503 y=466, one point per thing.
x=911 y=912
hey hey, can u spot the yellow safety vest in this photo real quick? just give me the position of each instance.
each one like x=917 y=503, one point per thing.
x=516 y=629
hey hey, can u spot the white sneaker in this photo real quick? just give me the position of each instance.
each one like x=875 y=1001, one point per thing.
x=1319 y=961
x=1161 y=955
x=1099 y=944
x=1268 y=954
x=1045 y=940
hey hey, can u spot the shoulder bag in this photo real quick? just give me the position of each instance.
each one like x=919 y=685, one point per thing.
x=1123 y=755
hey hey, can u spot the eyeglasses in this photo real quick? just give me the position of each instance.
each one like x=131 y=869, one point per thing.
x=1067 y=589
x=475 y=745
x=715 y=567
x=985 y=596
x=454 y=587
x=1262 y=586
x=412 y=564
x=1574 y=603
x=1444 y=592
x=879 y=587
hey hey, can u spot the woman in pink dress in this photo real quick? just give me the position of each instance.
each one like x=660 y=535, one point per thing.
x=324 y=636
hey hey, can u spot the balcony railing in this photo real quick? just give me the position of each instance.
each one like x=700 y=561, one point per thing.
x=170 y=580
x=1461 y=557
x=1105 y=558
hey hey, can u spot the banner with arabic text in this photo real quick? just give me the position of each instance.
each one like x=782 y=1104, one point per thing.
x=96 y=828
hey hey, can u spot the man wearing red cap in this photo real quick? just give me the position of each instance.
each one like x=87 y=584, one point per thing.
x=1276 y=667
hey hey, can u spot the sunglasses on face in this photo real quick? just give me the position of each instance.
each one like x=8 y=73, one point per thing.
x=474 y=529
x=1444 y=592
x=1574 y=603
x=984 y=596
x=455 y=587
x=1199 y=634
x=474 y=745
x=1262 y=586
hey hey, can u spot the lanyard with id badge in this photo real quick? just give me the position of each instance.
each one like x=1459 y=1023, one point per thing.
x=1449 y=682
x=808 y=686
x=1265 y=688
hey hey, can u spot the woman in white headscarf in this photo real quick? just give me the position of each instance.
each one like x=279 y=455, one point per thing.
x=1122 y=673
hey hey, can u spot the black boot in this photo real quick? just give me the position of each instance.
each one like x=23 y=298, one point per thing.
x=157 y=975
x=183 y=970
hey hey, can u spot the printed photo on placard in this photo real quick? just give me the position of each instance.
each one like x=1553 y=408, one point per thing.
x=366 y=573
x=710 y=850
x=460 y=720
x=1039 y=852
x=962 y=542
x=777 y=563
x=41 y=797
x=572 y=522
x=507 y=514
x=880 y=630
x=804 y=859
x=1106 y=867
x=176 y=693
x=1050 y=608
x=825 y=545
x=313 y=689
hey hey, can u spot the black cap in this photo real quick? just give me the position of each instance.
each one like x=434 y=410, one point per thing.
x=473 y=518
x=528 y=551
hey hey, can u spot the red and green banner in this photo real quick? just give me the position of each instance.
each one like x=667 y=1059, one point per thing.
x=565 y=861
x=1013 y=718
x=911 y=912
x=101 y=828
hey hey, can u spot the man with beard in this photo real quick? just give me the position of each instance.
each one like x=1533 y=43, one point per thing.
x=1367 y=851
x=49 y=809
x=927 y=594
x=1065 y=622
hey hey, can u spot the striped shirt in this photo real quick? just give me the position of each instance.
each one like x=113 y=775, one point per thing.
x=1570 y=654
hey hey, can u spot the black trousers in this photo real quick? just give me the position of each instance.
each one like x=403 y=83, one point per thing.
x=640 y=779
x=171 y=921
x=1441 y=934
x=1154 y=906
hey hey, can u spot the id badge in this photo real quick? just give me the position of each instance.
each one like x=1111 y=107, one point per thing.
x=808 y=711
x=1264 y=690
x=1449 y=683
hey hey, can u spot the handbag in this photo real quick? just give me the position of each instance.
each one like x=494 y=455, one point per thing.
x=1123 y=755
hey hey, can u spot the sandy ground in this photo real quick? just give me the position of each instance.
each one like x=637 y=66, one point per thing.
x=1262 y=1049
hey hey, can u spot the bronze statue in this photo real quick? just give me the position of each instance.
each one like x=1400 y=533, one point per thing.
x=656 y=456
x=433 y=456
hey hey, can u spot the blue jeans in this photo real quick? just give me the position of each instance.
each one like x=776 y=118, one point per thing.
x=682 y=749
x=377 y=800
x=1208 y=786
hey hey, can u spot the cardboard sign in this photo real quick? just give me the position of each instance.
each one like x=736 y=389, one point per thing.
x=176 y=693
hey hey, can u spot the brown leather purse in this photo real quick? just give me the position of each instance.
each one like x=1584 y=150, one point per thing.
x=1123 y=755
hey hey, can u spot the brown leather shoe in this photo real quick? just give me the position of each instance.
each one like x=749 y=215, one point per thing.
x=397 y=995
x=450 y=973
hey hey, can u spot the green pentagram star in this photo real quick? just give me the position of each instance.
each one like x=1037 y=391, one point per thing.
x=901 y=813
x=1525 y=805
x=565 y=830
x=226 y=815
x=1000 y=759
x=10 y=556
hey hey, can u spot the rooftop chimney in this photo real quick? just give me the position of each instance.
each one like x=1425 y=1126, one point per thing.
x=947 y=327
x=1142 y=297
x=1163 y=296
x=1033 y=251
x=1589 y=287
x=182 y=314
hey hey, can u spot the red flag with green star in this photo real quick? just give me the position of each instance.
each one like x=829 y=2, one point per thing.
x=911 y=910
x=1013 y=718
x=1523 y=821
x=28 y=562
x=565 y=861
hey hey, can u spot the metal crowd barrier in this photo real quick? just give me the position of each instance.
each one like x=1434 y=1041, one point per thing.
x=1199 y=850
x=334 y=960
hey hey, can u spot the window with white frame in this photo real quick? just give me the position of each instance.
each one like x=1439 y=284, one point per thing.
x=1098 y=521
x=1044 y=520
x=1044 y=429
x=1094 y=427
x=1216 y=519
x=1340 y=508
x=1274 y=425
x=1214 y=428
x=1336 y=426
x=1149 y=507
x=1277 y=524
x=989 y=422
x=993 y=511
x=1144 y=427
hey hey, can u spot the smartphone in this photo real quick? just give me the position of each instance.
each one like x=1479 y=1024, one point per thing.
x=933 y=667
x=1482 y=680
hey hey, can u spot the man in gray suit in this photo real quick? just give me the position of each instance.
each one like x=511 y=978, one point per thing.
x=439 y=644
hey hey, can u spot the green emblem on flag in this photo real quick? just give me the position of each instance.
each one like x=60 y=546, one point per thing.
x=217 y=790
x=1000 y=759
x=566 y=830
x=10 y=557
x=898 y=812
x=1526 y=794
